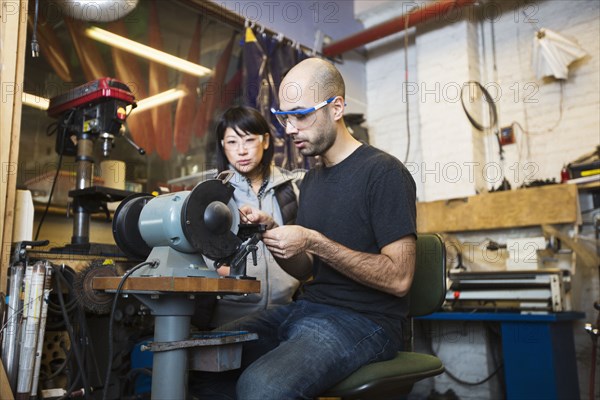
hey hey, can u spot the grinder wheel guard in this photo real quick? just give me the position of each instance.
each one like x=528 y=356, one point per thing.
x=208 y=218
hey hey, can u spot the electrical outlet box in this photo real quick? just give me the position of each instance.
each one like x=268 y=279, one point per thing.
x=507 y=135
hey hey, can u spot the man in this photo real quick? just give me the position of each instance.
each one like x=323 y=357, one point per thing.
x=355 y=234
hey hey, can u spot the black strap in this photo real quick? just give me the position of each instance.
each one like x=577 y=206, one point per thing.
x=288 y=203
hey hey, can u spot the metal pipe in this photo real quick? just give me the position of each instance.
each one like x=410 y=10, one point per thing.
x=85 y=162
x=169 y=372
x=398 y=24
x=41 y=331
x=81 y=226
x=31 y=322
x=84 y=178
x=10 y=348
x=172 y=314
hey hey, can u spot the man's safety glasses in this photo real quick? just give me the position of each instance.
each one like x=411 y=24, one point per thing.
x=300 y=119
x=249 y=142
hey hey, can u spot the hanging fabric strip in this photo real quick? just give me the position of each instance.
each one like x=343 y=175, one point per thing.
x=213 y=91
x=266 y=59
x=162 y=116
x=89 y=56
x=128 y=70
x=253 y=56
x=186 y=106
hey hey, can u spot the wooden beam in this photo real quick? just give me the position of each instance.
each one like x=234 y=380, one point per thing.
x=13 y=35
x=5 y=391
x=551 y=204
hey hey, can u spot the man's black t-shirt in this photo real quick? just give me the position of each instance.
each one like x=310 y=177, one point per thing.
x=364 y=203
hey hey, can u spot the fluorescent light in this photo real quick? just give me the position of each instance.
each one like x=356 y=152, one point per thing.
x=34 y=101
x=158 y=99
x=148 y=52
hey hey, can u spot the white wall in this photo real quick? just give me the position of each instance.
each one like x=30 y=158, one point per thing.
x=536 y=104
x=454 y=159
x=449 y=158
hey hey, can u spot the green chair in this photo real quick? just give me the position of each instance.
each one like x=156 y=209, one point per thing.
x=394 y=378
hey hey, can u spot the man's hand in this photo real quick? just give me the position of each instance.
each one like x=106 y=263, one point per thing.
x=255 y=216
x=287 y=241
x=224 y=270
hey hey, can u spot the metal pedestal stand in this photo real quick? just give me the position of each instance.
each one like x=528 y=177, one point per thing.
x=171 y=324
x=171 y=302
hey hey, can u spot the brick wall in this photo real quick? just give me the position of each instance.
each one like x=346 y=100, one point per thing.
x=490 y=44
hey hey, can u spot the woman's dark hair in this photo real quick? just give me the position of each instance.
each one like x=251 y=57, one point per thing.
x=244 y=121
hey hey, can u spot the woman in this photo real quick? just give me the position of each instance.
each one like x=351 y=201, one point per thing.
x=244 y=146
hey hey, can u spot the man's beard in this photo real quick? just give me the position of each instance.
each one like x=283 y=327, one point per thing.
x=323 y=141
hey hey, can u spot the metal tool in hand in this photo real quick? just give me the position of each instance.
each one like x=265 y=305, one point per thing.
x=250 y=234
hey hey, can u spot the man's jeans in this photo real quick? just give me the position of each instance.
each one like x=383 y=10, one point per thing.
x=305 y=348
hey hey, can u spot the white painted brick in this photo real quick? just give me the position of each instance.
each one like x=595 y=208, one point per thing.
x=449 y=55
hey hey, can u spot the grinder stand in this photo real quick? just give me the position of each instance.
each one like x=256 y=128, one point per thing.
x=172 y=232
x=172 y=314
x=170 y=300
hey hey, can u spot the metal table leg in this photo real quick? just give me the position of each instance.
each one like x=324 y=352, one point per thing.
x=172 y=323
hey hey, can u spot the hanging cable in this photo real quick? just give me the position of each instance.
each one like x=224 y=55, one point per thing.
x=35 y=46
x=406 y=86
x=111 y=321
x=488 y=99
x=493 y=113
x=50 y=132
x=461 y=381
x=536 y=28
x=74 y=342
x=554 y=126
x=43 y=217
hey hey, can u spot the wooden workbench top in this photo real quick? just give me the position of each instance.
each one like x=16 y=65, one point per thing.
x=178 y=284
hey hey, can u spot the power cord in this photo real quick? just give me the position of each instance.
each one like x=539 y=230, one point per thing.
x=43 y=217
x=406 y=86
x=461 y=381
x=35 y=46
x=74 y=342
x=111 y=322
x=554 y=126
x=493 y=112
x=52 y=129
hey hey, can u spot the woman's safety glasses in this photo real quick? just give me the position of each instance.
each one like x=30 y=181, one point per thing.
x=302 y=118
x=249 y=142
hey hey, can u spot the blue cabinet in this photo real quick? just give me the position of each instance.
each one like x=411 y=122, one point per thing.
x=538 y=352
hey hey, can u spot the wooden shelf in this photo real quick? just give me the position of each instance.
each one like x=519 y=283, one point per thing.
x=62 y=210
x=551 y=204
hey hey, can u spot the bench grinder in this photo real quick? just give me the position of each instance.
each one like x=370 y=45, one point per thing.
x=173 y=232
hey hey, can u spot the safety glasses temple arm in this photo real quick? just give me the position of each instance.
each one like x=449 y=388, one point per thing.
x=306 y=110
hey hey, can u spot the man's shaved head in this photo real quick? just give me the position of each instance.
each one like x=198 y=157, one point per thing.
x=313 y=80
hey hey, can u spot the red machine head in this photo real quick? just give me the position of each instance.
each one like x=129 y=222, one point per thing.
x=97 y=109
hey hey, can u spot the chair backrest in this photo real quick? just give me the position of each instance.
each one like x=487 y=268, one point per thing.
x=428 y=289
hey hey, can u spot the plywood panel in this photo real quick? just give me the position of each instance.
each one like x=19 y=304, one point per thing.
x=552 y=204
x=13 y=32
x=5 y=392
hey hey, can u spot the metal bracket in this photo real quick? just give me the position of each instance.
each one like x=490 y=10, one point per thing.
x=207 y=339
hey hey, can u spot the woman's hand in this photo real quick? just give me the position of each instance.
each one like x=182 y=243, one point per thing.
x=252 y=215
